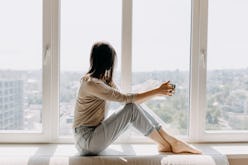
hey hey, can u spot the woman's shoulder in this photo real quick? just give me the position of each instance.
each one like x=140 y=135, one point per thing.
x=92 y=84
x=87 y=79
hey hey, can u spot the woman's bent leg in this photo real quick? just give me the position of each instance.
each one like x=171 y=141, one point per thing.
x=163 y=145
x=169 y=142
x=150 y=117
x=107 y=132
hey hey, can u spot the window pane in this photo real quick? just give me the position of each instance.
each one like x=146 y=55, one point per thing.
x=161 y=52
x=82 y=24
x=227 y=74
x=21 y=65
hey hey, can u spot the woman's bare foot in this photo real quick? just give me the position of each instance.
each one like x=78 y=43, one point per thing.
x=177 y=145
x=180 y=147
x=162 y=148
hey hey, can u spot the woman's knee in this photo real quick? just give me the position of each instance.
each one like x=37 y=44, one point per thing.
x=133 y=110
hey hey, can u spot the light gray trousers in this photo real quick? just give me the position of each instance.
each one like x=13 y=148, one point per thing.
x=92 y=140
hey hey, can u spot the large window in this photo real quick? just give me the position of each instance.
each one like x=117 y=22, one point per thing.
x=161 y=52
x=227 y=74
x=198 y=45
x=21 y=66
x=93 y=21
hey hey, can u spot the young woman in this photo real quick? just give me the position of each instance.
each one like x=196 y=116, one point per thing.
x=93 y=133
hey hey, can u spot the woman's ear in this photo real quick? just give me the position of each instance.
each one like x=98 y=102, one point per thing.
x=107 y=74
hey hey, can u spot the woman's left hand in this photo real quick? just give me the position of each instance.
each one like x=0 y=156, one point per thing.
x=166 y=89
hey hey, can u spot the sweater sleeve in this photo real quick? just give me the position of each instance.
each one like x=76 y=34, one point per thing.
x=105 y=92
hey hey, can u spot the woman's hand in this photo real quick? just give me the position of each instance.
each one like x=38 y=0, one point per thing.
x=166 y=89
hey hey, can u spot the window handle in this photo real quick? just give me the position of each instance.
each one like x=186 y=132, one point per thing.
x=46 y=55
x=203 y=57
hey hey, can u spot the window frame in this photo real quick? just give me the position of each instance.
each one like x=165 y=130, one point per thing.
x=199 y=78
x=51 y=73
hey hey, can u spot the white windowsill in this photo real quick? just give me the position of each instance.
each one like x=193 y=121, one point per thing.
x=26 y=152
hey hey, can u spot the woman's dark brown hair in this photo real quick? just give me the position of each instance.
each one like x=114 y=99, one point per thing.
x=102 y=61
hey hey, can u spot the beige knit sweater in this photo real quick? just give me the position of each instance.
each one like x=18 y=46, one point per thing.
x=91 y=99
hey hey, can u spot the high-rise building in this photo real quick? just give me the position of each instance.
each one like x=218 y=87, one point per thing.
x=11 y=105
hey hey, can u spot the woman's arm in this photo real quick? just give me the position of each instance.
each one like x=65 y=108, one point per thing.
x=100 y=89
x=164 y=89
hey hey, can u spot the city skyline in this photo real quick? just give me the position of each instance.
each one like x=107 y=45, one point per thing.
x=227 y=98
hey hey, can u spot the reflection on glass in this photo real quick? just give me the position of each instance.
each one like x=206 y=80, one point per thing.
x=161 y=52
x=227 y=76
x=82 y=24
x=20 y=65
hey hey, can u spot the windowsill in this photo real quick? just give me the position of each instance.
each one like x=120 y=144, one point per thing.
x=66 y=152
x=231 y=150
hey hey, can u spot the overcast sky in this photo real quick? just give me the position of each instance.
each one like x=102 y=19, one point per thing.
x=161 y=33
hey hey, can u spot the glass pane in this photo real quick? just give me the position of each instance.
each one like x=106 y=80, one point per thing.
x=21 y=65
x=161 y=52
x=227 y=74
x=82 y=24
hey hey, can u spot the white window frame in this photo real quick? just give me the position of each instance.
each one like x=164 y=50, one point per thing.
x=198 y=74
x=198 y=97
x=51 y=73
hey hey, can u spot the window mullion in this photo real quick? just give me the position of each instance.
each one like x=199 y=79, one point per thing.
x=55 y=61
x=203 y=65
x=46 y=70
x=126 y=49
x=198 y=69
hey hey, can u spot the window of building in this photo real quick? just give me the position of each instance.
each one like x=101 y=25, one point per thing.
x=161 y=52
x=21 y=60
x=227 y=92
x=77 y=37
